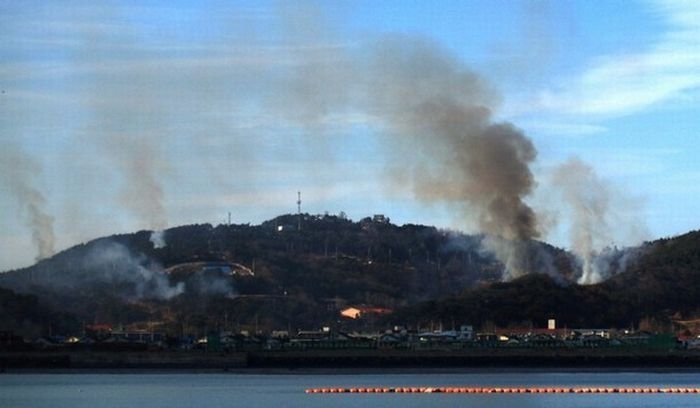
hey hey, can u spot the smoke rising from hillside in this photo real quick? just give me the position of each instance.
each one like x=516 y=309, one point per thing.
x=210 y=281
x=434 y=117
x=589 y=201
x=232 y=104
x=19 y=172
x=128 y=115
x=593 y=210
x=430 y=113
x=142 y=191
x=134 y=276
x=158 y=239
x=112 y=266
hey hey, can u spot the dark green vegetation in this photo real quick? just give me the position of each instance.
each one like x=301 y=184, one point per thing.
x=288 y=279
x=662 y=282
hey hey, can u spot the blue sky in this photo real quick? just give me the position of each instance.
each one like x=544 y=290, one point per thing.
x=143 y=115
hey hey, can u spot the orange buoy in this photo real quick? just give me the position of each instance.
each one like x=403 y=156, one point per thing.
x=503 y=390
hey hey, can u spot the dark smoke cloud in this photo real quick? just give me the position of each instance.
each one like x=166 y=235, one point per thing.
x=433 y=117
x=437 y=114
x=18 y=171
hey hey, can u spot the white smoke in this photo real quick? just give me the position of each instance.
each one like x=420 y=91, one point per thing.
x=212 y=281
x=599 y=217
x=158 y=239
x=135 y=276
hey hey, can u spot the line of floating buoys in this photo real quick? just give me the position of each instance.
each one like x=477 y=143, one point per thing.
x=504 y=390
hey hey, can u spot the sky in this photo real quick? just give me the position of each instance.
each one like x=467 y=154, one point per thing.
x=129 y=115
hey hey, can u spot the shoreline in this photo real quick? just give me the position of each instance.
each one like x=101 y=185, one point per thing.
x=341 y=371
x=354 y=361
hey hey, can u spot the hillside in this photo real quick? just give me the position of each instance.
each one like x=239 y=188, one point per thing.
x=661 y=284
x=271 y=275
x=275 y=276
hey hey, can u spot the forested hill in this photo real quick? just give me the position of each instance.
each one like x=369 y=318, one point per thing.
x=295 y=272
x=660 y=285
x=330 y=256
x=304 y=263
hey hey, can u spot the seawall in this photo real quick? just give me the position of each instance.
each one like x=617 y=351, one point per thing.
x=594 y=358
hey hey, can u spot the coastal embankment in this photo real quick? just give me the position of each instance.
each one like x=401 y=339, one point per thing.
x=577 y=358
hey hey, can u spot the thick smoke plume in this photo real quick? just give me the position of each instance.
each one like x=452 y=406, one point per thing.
x=18 y=172
x=592 y=208
x=437 y=114
x=434 y=118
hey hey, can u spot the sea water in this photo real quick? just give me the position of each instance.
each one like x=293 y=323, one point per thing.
x=178 y=389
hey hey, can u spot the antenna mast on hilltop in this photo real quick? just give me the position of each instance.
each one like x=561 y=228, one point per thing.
x=299 y=210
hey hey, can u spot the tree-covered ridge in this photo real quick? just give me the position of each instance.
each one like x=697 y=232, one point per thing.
x=661 y=283
x=275 y=275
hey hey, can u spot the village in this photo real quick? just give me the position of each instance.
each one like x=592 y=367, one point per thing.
x=105 y=337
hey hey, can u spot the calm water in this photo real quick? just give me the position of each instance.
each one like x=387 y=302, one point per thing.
x=234 y=390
